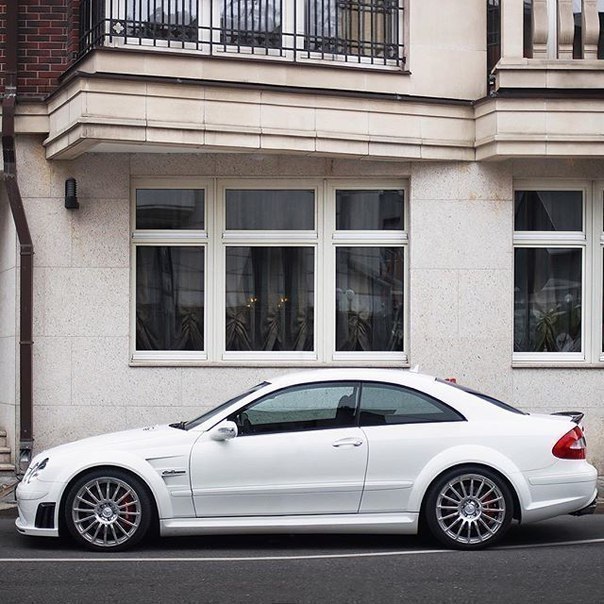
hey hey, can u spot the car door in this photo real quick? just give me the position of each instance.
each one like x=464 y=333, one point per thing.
x=405 y=429
x=297 y=452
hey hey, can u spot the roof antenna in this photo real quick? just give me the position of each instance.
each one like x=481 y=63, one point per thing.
x=414 y=369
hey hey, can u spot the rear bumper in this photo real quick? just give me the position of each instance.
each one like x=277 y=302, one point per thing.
x=590 y=508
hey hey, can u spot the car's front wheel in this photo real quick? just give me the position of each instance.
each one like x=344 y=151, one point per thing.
x=469 y=508
x=108 y=510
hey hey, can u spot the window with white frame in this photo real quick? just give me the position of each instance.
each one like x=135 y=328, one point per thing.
x=367 y=32
x=557 y=273
x=259 y=271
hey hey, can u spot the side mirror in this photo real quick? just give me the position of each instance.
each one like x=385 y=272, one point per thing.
x=224 y=431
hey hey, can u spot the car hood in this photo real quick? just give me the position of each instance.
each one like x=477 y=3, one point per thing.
x=142 y=440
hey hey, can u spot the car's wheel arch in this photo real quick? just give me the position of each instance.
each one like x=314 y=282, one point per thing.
x=475 y=456
x=155 y=508
x=474 y=466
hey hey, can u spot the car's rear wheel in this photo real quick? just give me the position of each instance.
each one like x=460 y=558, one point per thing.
x=108 y=510
x=469 y=508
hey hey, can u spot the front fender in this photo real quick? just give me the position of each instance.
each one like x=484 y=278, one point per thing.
x=467 y=455
x=124 y=460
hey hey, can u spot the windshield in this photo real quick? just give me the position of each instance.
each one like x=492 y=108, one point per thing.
x=208 y=415
x=484 y=397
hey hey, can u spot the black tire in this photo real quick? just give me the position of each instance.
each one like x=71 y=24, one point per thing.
x=469 y=508
x=108 y=510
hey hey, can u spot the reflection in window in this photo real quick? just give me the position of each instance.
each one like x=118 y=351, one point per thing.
x=251 y=22
x=369 y=299
x=309 y=407
x=366 y=28
x=169 y=298
x=382 y=404
x=169 y=209
x=162 y=20
x=270 y=298
x=270 y=210
x=369 y=210
x=548 y=211
x=547 y=299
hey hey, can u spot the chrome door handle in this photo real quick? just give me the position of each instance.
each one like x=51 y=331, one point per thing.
x=348 y=442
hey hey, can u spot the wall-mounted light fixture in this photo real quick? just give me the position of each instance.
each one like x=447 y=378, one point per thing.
x=71 y=195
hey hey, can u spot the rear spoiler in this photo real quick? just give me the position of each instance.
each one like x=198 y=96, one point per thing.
x=575 y=416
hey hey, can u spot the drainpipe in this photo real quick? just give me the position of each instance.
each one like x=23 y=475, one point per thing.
x=26 y=248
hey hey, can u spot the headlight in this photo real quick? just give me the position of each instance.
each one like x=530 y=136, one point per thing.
x=34 y=469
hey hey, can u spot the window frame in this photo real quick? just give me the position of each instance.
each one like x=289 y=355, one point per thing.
x=215 y=239
x=356 y=384
x=172 y=238
x=591 y=241
x=290 y=51
x=459 y=417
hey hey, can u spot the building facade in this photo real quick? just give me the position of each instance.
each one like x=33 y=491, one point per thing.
x=220 y=191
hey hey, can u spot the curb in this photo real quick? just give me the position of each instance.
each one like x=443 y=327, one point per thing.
x=8 y=510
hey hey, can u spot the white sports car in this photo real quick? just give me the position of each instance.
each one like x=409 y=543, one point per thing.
x=335 y=450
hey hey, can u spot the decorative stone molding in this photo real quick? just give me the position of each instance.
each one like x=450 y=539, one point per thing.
x=566 y=29
x=540 y=29
x=591 y=29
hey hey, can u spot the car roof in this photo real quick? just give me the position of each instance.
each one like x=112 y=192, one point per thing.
x=396 y=376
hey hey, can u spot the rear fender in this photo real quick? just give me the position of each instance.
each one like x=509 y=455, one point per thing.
x=468 y=455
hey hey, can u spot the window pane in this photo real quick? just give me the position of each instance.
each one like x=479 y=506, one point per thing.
x=549 y=211
x=369 y=210
x=169 y=209
x=270 y=298
x=169 y=298
x=353 y=27
x=251 y=22
x=369 y=299
x=547 y=299
x=382 y=404
x=158 y=19
x=270 y=210
x=300 y=408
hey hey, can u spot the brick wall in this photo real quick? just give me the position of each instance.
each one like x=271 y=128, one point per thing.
x=48 y=31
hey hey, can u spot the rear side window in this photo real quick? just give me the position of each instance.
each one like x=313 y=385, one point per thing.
x=384 y=404
x=484 y=397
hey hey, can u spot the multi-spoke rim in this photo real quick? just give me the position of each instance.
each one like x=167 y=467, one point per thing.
x=470 y=509
x=106 y=511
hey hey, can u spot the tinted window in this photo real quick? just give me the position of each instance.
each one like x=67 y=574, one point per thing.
x=169 y=209
x=383 y=404
x=308 y=407
x=484 y=397
x=269 y=210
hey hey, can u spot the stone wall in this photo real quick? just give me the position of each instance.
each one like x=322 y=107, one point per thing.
x=460 y=274
x=8 y=320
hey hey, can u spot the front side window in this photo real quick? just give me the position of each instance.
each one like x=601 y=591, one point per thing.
x=308 y=407
x=554 y=262
x=247 y=271
x=384 y=404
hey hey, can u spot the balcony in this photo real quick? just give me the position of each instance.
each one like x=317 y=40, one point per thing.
x=350 y=32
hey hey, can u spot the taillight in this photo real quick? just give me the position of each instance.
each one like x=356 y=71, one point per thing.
x=571 y=446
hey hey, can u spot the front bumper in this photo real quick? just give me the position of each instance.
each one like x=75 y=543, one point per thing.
x=31 y=499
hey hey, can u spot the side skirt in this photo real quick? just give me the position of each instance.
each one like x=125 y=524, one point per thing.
x=402 y=524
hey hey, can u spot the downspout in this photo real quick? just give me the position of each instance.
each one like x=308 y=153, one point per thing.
x=26 y=248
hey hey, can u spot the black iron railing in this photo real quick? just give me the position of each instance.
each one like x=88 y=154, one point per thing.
x=349 y=31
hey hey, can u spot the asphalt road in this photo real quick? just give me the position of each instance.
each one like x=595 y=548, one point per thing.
x=561 y=560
